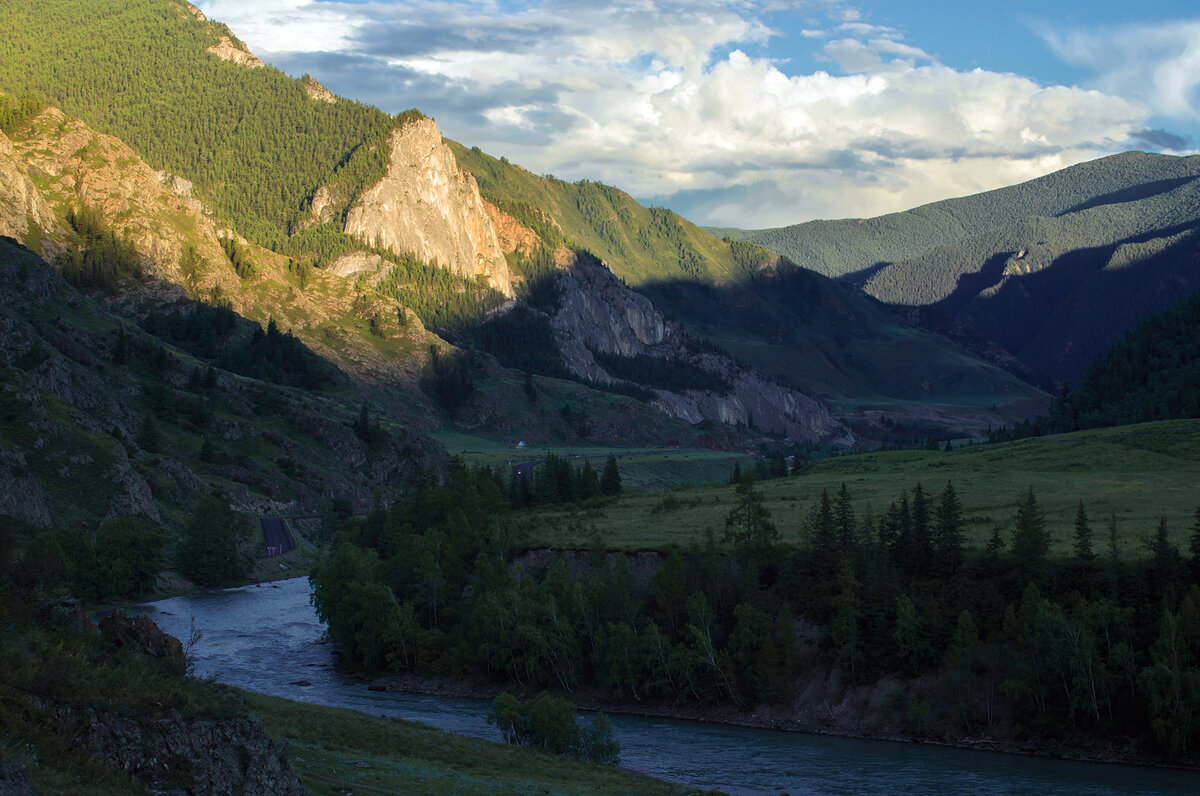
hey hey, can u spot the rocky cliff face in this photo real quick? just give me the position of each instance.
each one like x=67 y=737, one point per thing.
x=226 y=50
x=22 y=209
x=598 y=313
x=230 y=756
x=77 y=166
x=427 y=206
x=59 y=163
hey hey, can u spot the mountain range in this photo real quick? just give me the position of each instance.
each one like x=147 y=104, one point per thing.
x=371 y=238
x=448 y=288
x=1053 y=270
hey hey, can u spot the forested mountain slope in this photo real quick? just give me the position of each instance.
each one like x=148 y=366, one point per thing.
x=1053 y=270
x=104 y=418
x=847 y=246
x=1152 y=373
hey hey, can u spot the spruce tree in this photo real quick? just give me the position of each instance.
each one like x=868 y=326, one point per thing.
x=148 y=436
x=1083 y=536
x=948 y=532
x=1030 y=541
x=610 y=479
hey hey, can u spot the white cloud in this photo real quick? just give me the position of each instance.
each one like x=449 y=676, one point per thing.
x=1159 y=64
x=286 y=25
x=666 y=96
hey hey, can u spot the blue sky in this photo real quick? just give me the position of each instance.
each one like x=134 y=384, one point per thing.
x=761 y=112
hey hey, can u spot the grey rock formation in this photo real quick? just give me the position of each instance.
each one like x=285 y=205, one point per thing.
x=428 y=207
x=355 y=263
x=232 y=756
x=599 y=313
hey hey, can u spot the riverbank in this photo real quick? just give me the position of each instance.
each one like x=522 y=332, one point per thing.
x=821 y=719
x=268 y=639
x=876 y=712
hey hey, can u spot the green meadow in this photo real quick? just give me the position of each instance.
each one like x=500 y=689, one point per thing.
x=1138 y=474
x=337 y=751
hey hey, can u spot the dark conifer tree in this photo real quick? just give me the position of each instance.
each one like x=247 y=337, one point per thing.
x=610 y=479
x=844 y=518
x=948 y=533
x=1030 y=541
x=1083 y=537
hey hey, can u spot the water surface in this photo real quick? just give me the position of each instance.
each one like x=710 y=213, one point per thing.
x=267 y=638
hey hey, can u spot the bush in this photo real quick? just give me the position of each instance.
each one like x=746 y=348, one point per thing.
x=549 y=723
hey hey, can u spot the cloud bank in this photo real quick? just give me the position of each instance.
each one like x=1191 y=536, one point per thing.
x=689 y=102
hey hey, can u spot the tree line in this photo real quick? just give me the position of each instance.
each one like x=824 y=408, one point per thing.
x=1014 y=640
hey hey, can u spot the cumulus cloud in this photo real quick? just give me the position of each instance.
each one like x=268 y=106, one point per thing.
x=677 y=98
x=1158 y=64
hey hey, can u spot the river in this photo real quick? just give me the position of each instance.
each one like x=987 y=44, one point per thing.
x=267 y=638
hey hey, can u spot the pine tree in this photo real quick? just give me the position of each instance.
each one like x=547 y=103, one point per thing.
x=1083 y=536
x=748 y=526
x=921 y=550
x=610 y=479
x=1030 y=541
x=948 y=532
x=844 y=518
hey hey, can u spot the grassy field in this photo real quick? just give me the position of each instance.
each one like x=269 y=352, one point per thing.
x=1138 y=473
x=342 y=751
x=642 y=469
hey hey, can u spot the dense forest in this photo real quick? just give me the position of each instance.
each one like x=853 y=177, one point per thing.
x=232 y=131
x=1015 y=643
x=217 y=335
x=849 y=246
x=1153 y=373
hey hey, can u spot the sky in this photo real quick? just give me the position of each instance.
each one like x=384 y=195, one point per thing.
x=759 y=113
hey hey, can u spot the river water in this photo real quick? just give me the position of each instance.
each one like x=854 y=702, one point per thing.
x=267 y=638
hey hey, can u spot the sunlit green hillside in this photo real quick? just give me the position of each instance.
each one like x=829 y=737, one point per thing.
x=1137 y=473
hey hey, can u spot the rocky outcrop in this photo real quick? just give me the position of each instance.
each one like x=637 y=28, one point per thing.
x=185 y=755
x=355 y=263
x=226 y=50
x=141 y=636
x=512 y=235
x=428 y=207
x=22 y=208
x=599 y=313
x=21 y=496
x=316 y=90
x=155 y=210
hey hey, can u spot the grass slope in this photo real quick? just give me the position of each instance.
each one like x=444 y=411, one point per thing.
x=643 y=469
x=1139 y=473
x=641 y=244
x=339 y=751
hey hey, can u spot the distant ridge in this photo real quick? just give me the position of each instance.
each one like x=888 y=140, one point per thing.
x=1053 y=270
